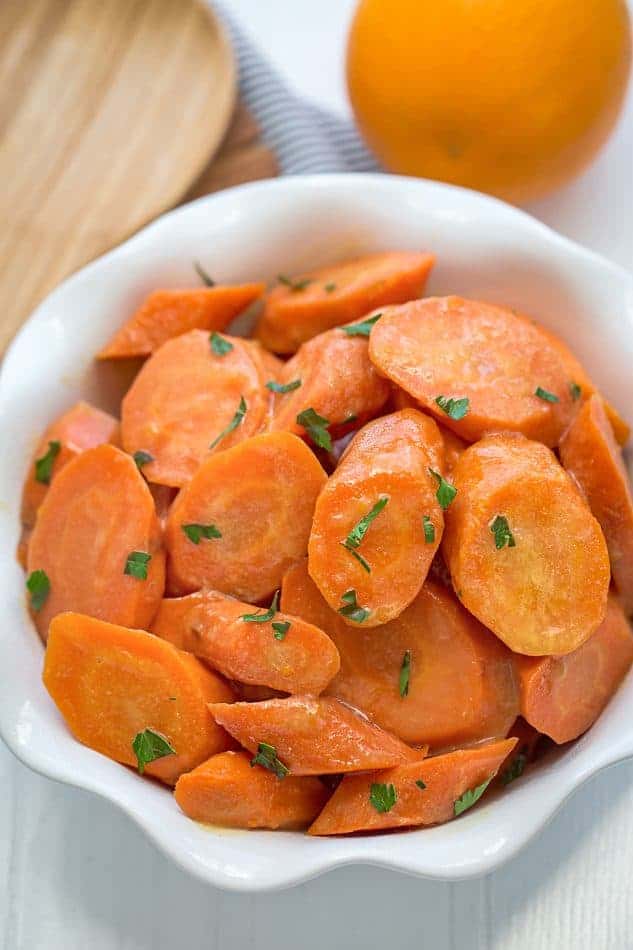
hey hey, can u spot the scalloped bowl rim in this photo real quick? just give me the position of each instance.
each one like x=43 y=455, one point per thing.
x=485 y=247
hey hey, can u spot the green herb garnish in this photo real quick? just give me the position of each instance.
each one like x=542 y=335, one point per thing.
x=283 y=387
x=545 y=395
x=445 y=491
x=219 y=344
x=328 y=288
x=148 y=746
x=429 y=529
x=420 y=784
x=359 y=530
x=142 y=458
x=359 y=557
x=316 y=428
x=196 y=532
x=39 y=587
x=44 y=465
x=351 y=608
x=515 y=769
x=363 y=328
x=136 y=564
x=501 y=530
x=454 y=408
x=405 y=674
x=267 y=757
x=281 y=628
x=575 y=391
x=202 y=274
x=233 y=424
x=263 y=617
x=383 y=797
x=470 y=797
x=294 y=285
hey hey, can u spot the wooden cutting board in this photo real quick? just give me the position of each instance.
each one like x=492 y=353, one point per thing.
x=111 y=111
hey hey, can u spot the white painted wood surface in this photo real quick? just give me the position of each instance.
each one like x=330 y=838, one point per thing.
x=75 y=873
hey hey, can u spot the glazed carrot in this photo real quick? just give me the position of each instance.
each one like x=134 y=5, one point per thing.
x=335 y=378
x=250 y=645
x=227 y=790
x=300 y=307
x=81 y=427
x=97 y=539
x=260 y=498
x=453 y=445
x=526 y=555
x=312 y=736
x=189 y=400
x=111 y=684
x=434 y=675
x=165 y=314
x=582 y=388
x=418 y=793
x=590 y=453
x=562 y=696
x=476 y=367
x=378 y=522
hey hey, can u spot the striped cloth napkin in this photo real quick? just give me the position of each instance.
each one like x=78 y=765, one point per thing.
x=305 y=138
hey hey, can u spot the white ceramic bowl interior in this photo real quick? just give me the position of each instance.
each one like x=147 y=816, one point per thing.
x=485 y=249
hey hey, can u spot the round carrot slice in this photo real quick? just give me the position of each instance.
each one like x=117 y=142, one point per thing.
x=81 y=427
x=378 y=521
x=250 y=645
x=226 y=790
x=526 y=555
x=97 y=540
x=189 y=400
x=165 y=314
x=433 y=676
x=259 y=498
x=590 y=453
x=332 y=375
x=300 y=307
x=563 y=696
x=311 y=735
x=476 y=367
x=428 y=792
x=112 y=684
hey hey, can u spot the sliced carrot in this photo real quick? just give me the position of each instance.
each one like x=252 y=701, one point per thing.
x=434 y=675
x=562 y=696
x=188 y=400
x=98 y=512
x=110 y=684
x=526 y=555
x=592 y=456
x=444 y=350
x=299 y=308
x=227 y=791
x=423 y=793
x=260 y=496
x=312 y=736
x=250 y=645
x=372 y=570
x=336 y=379
x=453 y=445
x=81 y=427
x=582 y=388
x=165 y=314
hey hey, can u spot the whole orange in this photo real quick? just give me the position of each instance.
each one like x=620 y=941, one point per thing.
x=512 y=97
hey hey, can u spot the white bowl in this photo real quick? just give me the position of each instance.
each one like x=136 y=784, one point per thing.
x=485 y=249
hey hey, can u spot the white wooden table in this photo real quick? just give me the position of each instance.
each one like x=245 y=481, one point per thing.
x=75 y=873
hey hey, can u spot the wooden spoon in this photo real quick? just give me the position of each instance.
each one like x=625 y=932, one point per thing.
x=109 y=111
